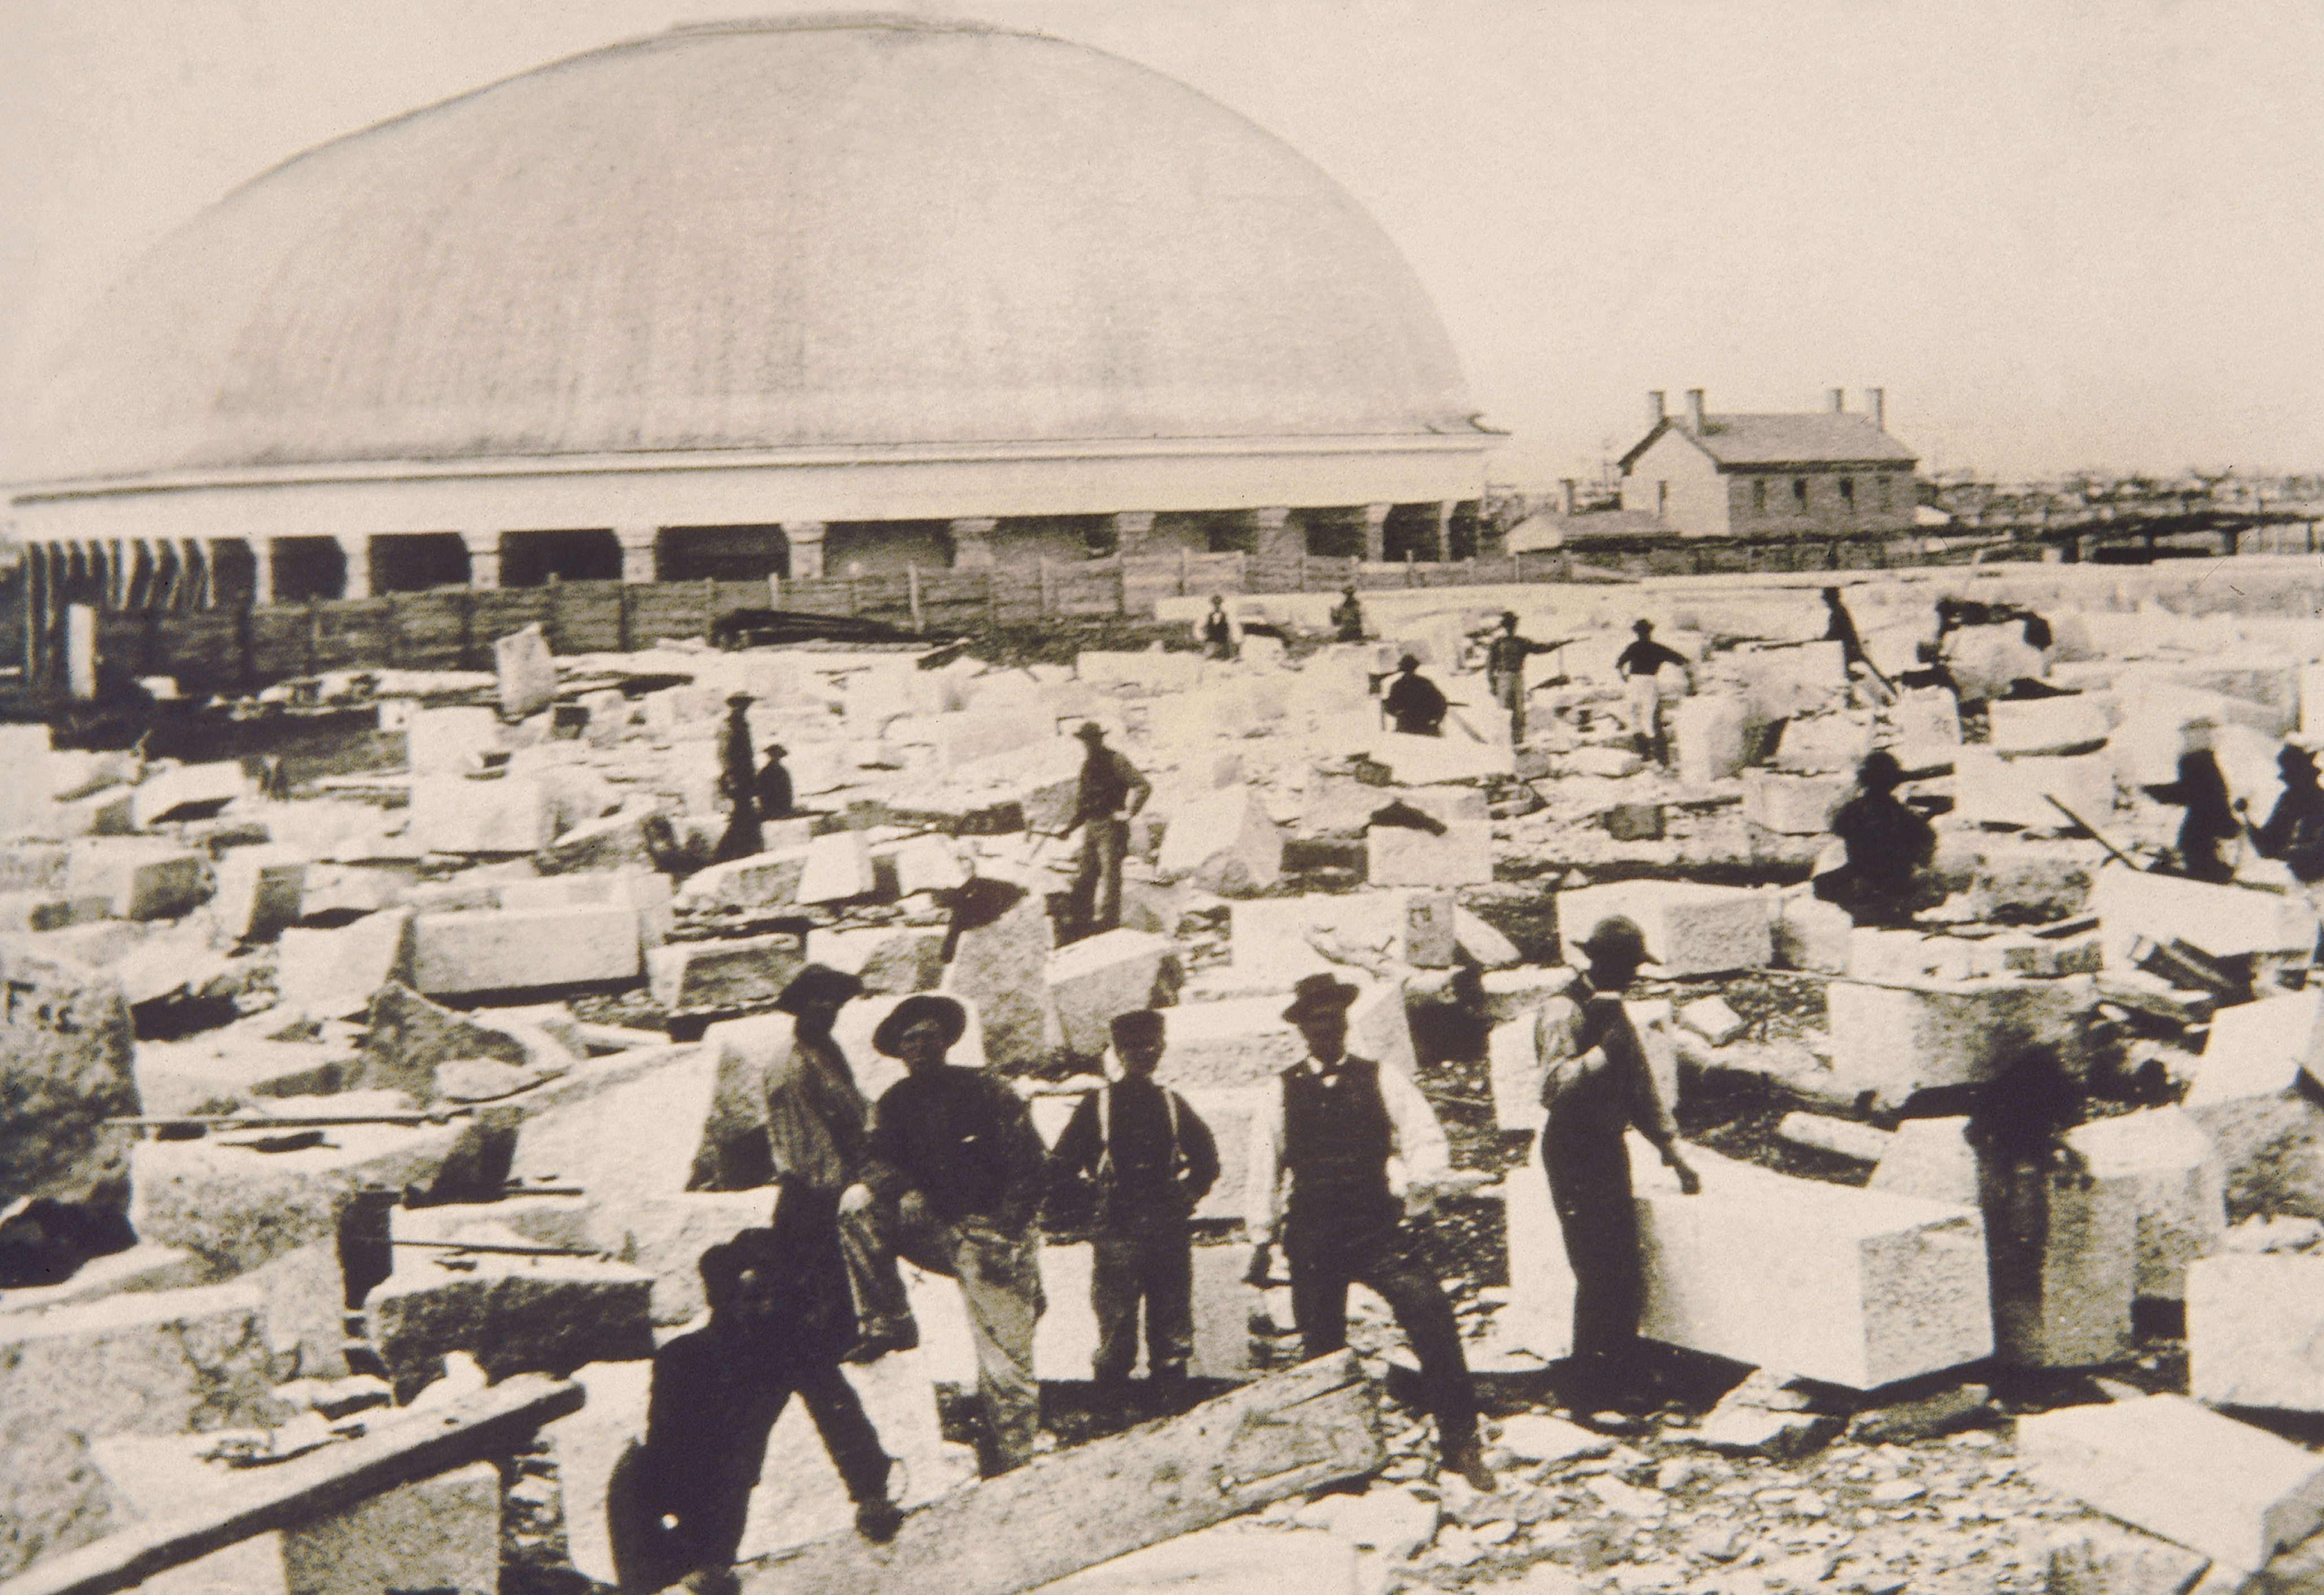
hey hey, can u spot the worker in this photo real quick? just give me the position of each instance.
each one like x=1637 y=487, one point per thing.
x=2210 y=820
x=1342 y=1150
x=738 y=783
x=2295 y=832
x=1888 y=846
x=1641 y=665
x=1218 y=632
x=1151 y=1160
x=2016 y=1129
x=773 y=787
x=1840 y=626
x=1415 y=704
x=779 y=1319
x=1111 y=792
x=817 y=1128
x=953 y=1172
x=1504 y=659
x=1347 y=617
x=1598 y=1084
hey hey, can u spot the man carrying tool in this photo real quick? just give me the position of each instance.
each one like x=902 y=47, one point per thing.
x=1840 y=627
x=1505 y=658
x=1111 y=794
x=1597 y=1084
x=1152 y=1160
x=1342 y=1150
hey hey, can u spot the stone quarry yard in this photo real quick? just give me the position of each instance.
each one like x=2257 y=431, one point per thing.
x=461 y=911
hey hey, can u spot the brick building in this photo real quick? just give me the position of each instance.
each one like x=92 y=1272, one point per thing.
x=1834 y=474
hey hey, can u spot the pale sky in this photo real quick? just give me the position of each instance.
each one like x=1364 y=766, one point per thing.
x=2061 y=236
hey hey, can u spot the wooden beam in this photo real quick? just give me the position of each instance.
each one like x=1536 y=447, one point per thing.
x=399 y=1451
x=1291 y=1431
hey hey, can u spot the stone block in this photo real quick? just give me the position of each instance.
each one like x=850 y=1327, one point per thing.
x=742 y=972
x=977 y=734
x=2103 y=1558
x=1986 y=660
x=760 y=883
x=1926 y=717
x=150 y=1362
x=1793 y=805
x=2255 y=1331
x=528 y=674
x=2272 y=1149
x=2258 y=1049
x=626 y=1138
x=928 y=863
x=608 y=842
x=260 y=892
x=2046 y=725
x=1929 y=1158
x=450 y=741
x=503 y=814
x=1712 y=1019
x=1151 y=674
x=1480 y=943
x=2166 y=1465
x=1513 y=1067
x=884 y=957
x=1894 y=1040
x=2178 y=1184
x=65 y=1052
x=2075 y=1312
x=1095 y=979
x=581 y=943
x=1426 y=761
x=1692 y=929
x=1234 y=1559
x=1781 y=682
x=1247 y=1041
x=2010 y=879
x=25 y=800
x=2224 y=921
x=513 y=1315
x=186 y=791
x=340 y=969
x=1809 y=934
x=1398 y=855
x=1224 y=843
x=1864 y=1142
x=1269 y=936
x=668 y=1235
x=143 y=1266
x=1001 y=967
x=138 y=879
x=838 y=867
x=1822 y=745
x=1989 y=786
x=1706 y=734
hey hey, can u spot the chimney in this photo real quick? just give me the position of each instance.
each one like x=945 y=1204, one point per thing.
x=1653 y=410
x=1836 y=400
x=1875 y=400
x=1694 y=410
x=1565 y=496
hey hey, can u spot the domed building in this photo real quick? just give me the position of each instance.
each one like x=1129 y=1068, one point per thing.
x=815 y=295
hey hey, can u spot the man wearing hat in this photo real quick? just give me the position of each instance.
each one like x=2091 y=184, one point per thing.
x=817 y=1128
x=2295 y=832
x=1414 y=705
x=1641 y=667
x=1504 y=659
x=737 y=782
x=1888 y=845
x=1218 y=632
x=1347 y=617
x=773 y=790
x=1153 y=1160
x=1597 y=1083
x=1111 y=791
x=1340 y=1151
x=953 y=1173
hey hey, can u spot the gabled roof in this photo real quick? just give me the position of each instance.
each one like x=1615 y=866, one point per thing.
x=1829 y=438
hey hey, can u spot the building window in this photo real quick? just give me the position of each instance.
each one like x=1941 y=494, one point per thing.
x=1759 y=498
x=1662 y=496
x=1800 y=493
x=1884 y=493
x=1847 y=495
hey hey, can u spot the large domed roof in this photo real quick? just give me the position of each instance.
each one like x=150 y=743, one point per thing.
x=829 y=232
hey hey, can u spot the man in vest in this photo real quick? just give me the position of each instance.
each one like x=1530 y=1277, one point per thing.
x=1641 y=667
x=1218 y=632
x=1342 y=1151
x=1153 y=1160
x=1597 y=1084
x=1111 y=792
x=1505 y=658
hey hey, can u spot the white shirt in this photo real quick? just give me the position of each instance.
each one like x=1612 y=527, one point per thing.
x=1418 y=1158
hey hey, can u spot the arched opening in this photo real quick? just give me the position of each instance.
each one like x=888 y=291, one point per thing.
x=1028 y=540
x=529 y=558
x=1333 y=533
x=885 y=547
x=233 y=573
x=722 y=553
x=416 y=561
x=308 y=567
x=1411 y=532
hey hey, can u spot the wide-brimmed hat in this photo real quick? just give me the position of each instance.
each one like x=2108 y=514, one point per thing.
x=1410 y=661
x=816 y=983
x=1617 y=940
x=777 y=751
x=1090 y=730
x=1140 y=1026
x=734 y=699
x=920 y=1005
x=1508 y=617
x=1879 y=770
x=1318 y=995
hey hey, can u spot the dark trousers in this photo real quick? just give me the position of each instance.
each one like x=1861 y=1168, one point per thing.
x=742 y=838
x=1149 y=1259
x=1324 y=1261
x=1095 y=903
x=1589 y=1187
x=1508 y=691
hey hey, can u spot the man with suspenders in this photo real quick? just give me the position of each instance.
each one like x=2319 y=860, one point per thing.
x=1153 y=1160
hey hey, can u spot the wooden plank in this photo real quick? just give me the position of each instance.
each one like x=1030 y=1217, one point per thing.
x=1291 y=1431
x=491 y=1423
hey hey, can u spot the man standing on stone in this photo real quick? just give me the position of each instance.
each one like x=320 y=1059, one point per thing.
x=737 y=782
x=1415 y=704
x=953 y=1175
x=1888 y=845
x=1341 y=1149
x=1153 y=1160
x=1347 y=617
x=817 y=1128
x=1597 y=1083
x=1112 y=793
x=1218 y=632
x=773 y=790
x=1840 y=627
x=1504 y=659
x=1641 y=665
x=2295 y=832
